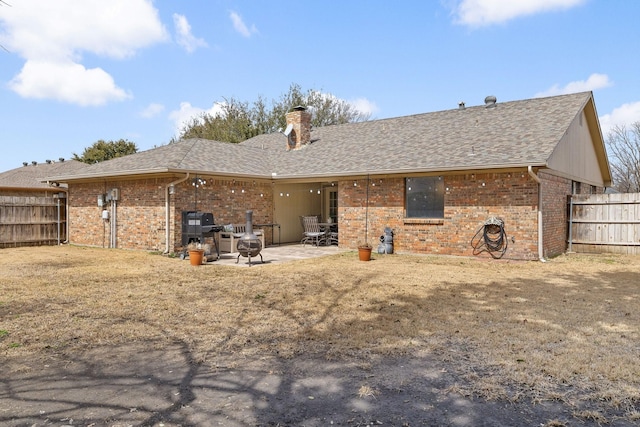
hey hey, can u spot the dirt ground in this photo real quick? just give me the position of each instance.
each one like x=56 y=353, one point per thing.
x=135 y=386
x=101 y=374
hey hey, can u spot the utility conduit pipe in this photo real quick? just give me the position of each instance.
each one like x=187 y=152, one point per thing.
x=536 y=178
x=167 y=218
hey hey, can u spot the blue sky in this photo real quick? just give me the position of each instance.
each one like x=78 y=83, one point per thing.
x=73 y=72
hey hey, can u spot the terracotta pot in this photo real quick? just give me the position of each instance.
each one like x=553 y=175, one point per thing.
x=195 y=256
x=364 y=254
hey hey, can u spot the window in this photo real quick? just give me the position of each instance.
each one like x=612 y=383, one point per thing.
x=333 y=205
x=577 y=188
x=425 y=197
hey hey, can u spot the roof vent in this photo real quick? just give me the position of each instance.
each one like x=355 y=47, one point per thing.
x=24 y=163
x=461 y=105
x=49 y=161
x=61 y=159
x=34 y=163
x=490 y=101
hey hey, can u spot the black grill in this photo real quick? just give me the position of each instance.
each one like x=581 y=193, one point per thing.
x=196 y=226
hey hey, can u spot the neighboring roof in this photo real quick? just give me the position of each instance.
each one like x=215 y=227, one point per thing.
x=510 y=134
x=32 y=175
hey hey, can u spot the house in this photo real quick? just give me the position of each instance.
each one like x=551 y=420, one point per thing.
x=433 y=178
x=33 y=212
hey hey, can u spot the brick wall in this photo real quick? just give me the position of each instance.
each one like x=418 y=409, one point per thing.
x=555 y=191
x=469 y=200
x=141 y=210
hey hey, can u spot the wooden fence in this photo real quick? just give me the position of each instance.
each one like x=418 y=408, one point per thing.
x=605 y=223
x=31 y=221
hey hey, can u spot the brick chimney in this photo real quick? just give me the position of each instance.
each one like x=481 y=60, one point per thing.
x=300 y=121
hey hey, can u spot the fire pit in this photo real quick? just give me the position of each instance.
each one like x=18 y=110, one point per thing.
x=249 y=245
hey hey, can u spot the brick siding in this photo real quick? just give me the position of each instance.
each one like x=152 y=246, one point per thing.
x=470 y=199
x=468 y=203
x=141 y=210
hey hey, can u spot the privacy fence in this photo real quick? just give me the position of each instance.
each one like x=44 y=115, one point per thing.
x=605 y=223
x=31 y=221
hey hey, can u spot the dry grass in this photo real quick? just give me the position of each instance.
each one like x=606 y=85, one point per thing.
x=566 y=330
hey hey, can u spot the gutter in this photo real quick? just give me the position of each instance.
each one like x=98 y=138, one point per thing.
x=167 y=218
x=535 y=177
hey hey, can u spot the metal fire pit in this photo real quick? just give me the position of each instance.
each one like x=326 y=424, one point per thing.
x=249 y=245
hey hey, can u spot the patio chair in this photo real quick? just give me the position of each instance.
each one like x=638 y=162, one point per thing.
x=312 y=232
x=332 y=238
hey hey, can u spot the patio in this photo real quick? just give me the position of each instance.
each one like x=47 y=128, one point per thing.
x=278 y=255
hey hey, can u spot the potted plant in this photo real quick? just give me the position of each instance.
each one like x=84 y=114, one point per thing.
x=364 y=251
x=196 y=254
x=364 y=248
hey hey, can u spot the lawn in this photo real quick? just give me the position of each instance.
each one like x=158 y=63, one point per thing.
x=567 y=330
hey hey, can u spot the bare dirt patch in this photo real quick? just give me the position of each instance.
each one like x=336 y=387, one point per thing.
x=109 y=337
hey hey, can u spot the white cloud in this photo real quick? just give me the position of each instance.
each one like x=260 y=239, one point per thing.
x=240 y=26
x=595 y=81
x=53 y=35
x=624 y=115
x=67 y=82
x=152 y=110
x=479 y=13
x=184 y=37
x=187 y=113
x=364 y=105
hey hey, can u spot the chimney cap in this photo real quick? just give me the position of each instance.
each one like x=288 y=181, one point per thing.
x=299 y=108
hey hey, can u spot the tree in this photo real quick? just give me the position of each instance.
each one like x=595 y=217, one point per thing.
x=238 y=121
x=234 y=124
x=106 y=150
x=624 y=149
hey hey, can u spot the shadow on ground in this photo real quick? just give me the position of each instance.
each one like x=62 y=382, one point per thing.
x=144 y=385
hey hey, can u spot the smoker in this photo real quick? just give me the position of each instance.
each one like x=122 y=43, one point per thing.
x=196 y=226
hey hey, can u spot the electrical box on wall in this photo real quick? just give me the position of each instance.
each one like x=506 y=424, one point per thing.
x=105 y=214
x=113 y=195
x=100 y=200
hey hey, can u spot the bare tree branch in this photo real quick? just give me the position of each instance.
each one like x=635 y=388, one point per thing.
x=624 y=149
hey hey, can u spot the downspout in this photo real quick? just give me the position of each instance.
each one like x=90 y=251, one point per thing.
x=540 y=228
x=167 y=218
x=66 y=216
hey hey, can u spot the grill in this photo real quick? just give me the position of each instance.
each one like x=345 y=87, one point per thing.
x=196 y=226
x=249 y=245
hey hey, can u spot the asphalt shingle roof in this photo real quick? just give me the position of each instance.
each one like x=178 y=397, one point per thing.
x=516 y=133
x=32 y=175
